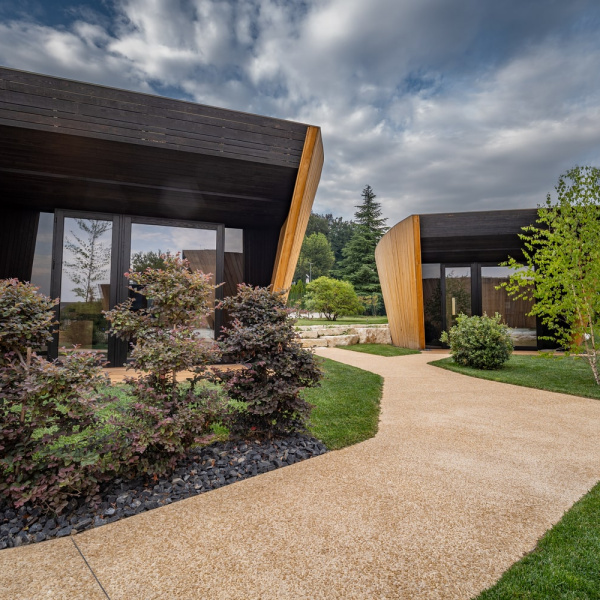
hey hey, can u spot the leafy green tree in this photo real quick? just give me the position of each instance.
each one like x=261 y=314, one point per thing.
x=562 y=270
x=340 y=233
x=140 y=261
x=316 y=257
x=332 y=297
x=359 y=254
x=317 y=224
x=90 y=257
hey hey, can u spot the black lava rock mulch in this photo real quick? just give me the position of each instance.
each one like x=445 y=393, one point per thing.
x=206 y=469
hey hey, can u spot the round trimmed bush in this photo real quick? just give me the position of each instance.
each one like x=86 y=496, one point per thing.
x=479 y=342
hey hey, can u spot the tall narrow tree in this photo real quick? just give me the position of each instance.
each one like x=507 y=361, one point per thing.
x=359 y=254
x=90 y=258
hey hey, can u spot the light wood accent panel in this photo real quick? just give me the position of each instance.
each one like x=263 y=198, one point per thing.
x=292 y=232
x=398 y=257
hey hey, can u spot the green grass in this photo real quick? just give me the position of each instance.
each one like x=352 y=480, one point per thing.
x=565 y=564
x=346 y=405
x=564 y=374
x=380 y=349
x=359 y=320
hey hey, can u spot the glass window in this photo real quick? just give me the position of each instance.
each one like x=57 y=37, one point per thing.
x=432 y=303
x=514 y=312
x=85 y=284
x=42 y=259
x=199 y=246
x=234 y=260
x=458 y=293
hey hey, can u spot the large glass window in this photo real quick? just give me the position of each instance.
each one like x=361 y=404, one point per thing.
x=234 y=260
x=199 y=246
x=85 y=284
x=514 y=312
x=432 y=303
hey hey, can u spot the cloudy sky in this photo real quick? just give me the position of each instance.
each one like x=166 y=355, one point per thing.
x=439 y=105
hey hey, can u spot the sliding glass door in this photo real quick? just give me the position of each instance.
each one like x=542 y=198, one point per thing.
x=457 y=293
x=91 y=254
x=473 y=289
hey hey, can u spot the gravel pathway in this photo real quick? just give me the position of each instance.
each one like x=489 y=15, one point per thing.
x=461 y=480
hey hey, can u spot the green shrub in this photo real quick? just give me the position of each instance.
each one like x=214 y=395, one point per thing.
x=333 y=298
x=262 y=336
x=479 y=342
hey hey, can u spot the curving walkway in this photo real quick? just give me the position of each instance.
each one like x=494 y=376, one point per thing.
x=461 y=480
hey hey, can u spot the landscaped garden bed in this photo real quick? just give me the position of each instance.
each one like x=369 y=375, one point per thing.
x=77 y=452
x=203 y=470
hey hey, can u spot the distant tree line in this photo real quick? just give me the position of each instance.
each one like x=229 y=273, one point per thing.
x=343 y=250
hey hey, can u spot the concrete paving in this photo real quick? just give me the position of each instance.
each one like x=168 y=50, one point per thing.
x=461 y=480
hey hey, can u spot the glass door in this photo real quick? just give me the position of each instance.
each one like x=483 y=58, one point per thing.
x=150 y=239
x=91 y=253
x=457 y=293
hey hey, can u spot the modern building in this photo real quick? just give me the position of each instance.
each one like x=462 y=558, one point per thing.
x=94 y=179
x=434 y=267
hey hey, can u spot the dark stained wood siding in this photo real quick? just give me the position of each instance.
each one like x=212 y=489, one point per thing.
x=18 y=230
x=52 y=104
x=489 y=236
x=260 y=248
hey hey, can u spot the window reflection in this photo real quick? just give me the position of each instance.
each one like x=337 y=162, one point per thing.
x=432 y=303
x=198 y=246
x=515 y=313
x=85 y=284
x=42 y=259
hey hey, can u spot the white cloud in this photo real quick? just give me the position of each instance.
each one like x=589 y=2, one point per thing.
x=438 y=106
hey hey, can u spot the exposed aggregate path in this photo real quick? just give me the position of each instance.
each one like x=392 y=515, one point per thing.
x=461 y=480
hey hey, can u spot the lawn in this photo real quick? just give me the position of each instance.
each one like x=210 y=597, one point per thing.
x=346 y=405
x=564 y=374
x=358 y=320
x=565 y=563
x=380 y=349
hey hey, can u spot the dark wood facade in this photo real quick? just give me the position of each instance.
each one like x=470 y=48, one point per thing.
x=449 y=240
x=76 y=146
x=84 y=151
x=486 y=236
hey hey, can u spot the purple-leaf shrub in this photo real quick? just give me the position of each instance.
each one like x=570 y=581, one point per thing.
x=168 y=417
x=52 y=442
x=262 y=337
x=26 y=317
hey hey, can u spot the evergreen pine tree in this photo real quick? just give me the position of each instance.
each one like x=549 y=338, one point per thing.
x=359 y=254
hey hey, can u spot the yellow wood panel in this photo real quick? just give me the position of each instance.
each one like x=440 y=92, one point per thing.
x=292 y=232
x=398 y=257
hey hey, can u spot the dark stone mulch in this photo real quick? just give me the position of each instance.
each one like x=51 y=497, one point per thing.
x=203 y=470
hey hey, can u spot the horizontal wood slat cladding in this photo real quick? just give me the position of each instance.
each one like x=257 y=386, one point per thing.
x=294 y=228
x=486 y=236
x=51 y=170
x=398 y=257
x=481 y=223
x=52 y=104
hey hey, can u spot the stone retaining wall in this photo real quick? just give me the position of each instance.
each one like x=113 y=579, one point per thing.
x=339 y=335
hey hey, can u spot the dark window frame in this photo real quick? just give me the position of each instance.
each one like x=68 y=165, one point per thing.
x=120 y=260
